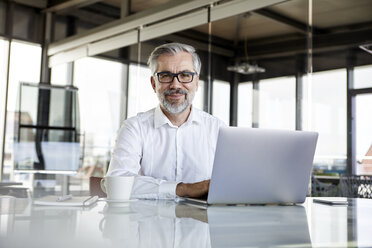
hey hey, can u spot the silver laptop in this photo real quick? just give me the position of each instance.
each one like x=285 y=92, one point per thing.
x=260 y=166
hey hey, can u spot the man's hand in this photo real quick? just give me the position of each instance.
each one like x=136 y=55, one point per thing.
x=193 y=189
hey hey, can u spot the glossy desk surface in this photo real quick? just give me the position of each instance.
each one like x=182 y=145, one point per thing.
x=168 y=224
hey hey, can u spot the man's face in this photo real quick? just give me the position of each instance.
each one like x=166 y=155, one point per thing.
x=175 y=97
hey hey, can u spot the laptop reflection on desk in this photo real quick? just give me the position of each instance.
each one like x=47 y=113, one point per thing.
x=253 y=226
x=260 y=166
x=258 y=226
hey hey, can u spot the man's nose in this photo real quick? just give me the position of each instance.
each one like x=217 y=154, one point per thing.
x=175 y=83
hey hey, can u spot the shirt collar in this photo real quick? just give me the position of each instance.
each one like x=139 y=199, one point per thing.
x=160 y=118
x=194 y=116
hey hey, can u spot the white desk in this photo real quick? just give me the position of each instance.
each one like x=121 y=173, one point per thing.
x=168 y=224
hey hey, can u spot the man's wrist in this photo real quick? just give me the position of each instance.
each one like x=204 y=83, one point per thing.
x=181 y=189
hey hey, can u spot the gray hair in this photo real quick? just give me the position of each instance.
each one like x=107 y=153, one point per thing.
x=172 y=49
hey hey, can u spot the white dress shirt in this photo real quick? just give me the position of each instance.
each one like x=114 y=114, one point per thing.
x=159 y=226
x=162 y=155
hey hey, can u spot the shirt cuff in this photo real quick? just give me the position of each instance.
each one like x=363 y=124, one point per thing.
x=167 y=190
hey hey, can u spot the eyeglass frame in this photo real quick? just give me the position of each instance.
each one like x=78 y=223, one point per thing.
x=175 y=75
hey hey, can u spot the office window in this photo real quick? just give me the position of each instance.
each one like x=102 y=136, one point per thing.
x=99 y=82
x=59 y=75
x=24 y=65
x=362 y=76
x=141 y=96
x=245 y=95
x=4 y=45
x=363 y=117
x=325 y=98
x=221 y=100
x=277 y=103
x=363 y=120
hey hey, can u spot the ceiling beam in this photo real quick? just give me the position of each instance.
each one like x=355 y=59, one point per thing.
x=155 y=22
x=90 y=17
x=321 y=42
x=168 y=10
x=70 y=4
x=199 y=45
x=299 y=26
x=203 y=38
x=104 y=9
x=41 y=4
x=236 y=7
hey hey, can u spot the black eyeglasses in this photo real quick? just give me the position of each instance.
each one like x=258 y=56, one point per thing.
x=182 y=77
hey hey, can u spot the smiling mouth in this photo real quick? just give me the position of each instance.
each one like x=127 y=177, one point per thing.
x=175 y=95
x=175 y=98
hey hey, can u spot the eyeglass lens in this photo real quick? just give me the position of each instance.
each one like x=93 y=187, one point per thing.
x=183 y=77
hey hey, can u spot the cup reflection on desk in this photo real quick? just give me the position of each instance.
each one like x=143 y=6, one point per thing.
x=119 y=225
x=117 y=188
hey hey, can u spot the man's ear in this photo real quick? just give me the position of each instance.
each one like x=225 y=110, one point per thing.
x=153 y=83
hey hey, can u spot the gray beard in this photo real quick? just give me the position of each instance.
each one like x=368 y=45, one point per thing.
x=174 y=108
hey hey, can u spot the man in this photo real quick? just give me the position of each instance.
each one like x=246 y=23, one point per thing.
x=170 y=149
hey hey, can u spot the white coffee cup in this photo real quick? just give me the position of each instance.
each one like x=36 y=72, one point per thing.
x=117 y=188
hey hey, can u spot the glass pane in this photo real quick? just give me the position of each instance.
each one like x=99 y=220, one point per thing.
x=36 y=145
x=4 y=46
x=277 y=103
x=25 y=64
x=63 y=108
x=25 y=59
x=29 y=104
x=326 y=94
x=221 y=100
x=141 y=96
x=245 y=91
x=56 y=150
x=364 y=133
x=99 y=82
x=363 y=76
x=59 y=75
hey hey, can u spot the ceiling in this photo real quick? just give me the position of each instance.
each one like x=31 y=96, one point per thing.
x=281 y=19
x=276 y=31
x=137 y=5
x=327 y=15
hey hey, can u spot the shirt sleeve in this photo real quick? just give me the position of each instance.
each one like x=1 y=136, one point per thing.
x=125 y=160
